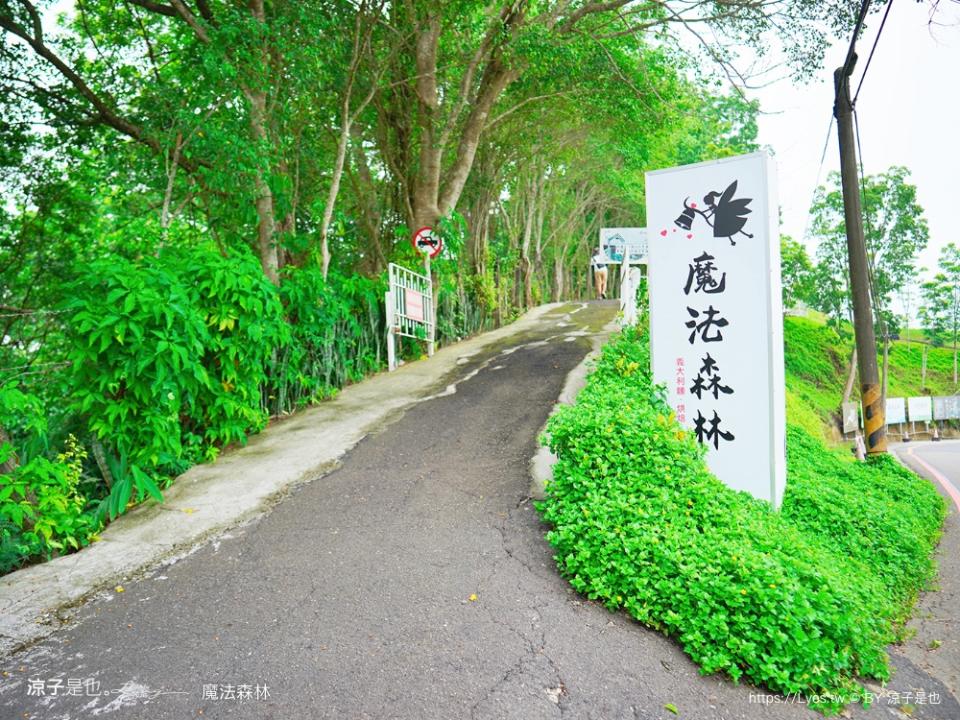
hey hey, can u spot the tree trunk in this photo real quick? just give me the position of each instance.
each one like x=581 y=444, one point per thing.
x=886 y=356
x=334 y=189
x=478 y=231
x=498 y=286
x=527 y=284
x=10 y=465
x=265 y=221
x=168 y=193
x=371 y=215
x=557 y=279
x=266 y=224
x=517 y=290
x=101 y=458
x=526 y=264
x=851 y=376
x=496 y=78
x=426 y=184
x=7 y=468
x=923 y=368
x=346 y=124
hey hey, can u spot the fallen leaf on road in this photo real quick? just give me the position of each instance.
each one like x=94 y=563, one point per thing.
x=556 y=693
x=473 y=598
x=672 y=708
x=119 y=588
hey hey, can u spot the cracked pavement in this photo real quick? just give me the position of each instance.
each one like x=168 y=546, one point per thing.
x=412 y=582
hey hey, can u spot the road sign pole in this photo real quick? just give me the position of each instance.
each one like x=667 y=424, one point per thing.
x=432 y=312
x=391 y=337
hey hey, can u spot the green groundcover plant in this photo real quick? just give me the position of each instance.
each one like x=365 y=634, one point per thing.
x=803 y=600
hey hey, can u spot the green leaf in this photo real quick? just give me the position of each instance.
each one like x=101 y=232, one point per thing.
x=123 y=494
x=146 y=483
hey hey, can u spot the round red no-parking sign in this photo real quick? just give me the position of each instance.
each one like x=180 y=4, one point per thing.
x=426 y=241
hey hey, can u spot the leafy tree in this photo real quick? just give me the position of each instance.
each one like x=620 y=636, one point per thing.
x=908 y=301
x=799 y=283
x=894 y=228
x=832 y=283
x=941 y=297
x=895 y=231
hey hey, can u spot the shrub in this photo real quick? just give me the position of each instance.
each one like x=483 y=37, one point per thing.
x=42 y=513
x=338 y=335
x=791 y=600
x=136 y=355
x=245 y=327
x=167 y=358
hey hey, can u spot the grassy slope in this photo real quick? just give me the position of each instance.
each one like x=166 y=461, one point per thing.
x=816 y=360
x=790 y=600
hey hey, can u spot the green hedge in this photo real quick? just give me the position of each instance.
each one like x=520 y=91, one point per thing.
x=800 y=601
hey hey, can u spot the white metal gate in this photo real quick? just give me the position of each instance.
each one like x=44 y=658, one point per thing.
x=409 y=304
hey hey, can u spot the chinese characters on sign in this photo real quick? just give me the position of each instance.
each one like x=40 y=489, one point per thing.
x=681 y=390
x=715 y=314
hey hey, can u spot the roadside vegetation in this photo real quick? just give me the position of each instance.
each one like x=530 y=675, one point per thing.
x=804 y=600
x=201 y=201
x=817 y=358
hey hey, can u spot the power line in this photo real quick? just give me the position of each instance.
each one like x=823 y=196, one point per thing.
x=872 y=50
x=871 y=272
x=851 y=51
x=816 y=184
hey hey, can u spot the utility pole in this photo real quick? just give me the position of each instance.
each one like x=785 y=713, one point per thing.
x=874 y=422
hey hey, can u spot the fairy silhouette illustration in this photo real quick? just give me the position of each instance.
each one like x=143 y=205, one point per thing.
x=723 y=213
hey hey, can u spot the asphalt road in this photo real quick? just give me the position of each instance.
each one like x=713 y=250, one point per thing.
x=413 y=582
x=936 y=646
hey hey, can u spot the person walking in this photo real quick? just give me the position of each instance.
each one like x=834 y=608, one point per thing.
x=599 y=265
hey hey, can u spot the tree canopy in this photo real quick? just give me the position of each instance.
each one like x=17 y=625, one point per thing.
x=202 y=196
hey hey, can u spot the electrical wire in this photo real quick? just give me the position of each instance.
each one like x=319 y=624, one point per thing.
x=851 y=54
x=872 y=50
x=871 y=273
x=816 y=184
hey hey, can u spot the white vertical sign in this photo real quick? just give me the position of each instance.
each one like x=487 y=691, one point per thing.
x=716 y=322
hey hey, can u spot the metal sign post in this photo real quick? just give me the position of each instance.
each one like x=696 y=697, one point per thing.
x=630 y=278
x=426 y=241
x=431 y=327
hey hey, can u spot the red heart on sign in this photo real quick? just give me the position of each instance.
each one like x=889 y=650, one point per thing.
x=663 y=232
x=690 y=235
